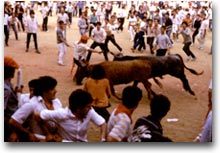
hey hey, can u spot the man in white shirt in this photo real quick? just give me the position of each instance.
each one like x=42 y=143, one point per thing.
x=74 y=120
x=6 y=28
x=203 y=30
x=121 y=17
x=63 y=16
x=25 y=98
x=45 y=98
x=99 y=36
x=45 y=13
x=32 y=30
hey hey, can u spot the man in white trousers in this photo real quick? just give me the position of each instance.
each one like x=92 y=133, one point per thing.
x=61 y=41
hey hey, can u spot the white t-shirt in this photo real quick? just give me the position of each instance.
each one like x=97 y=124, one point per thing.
x=70 y=128
x=204 y=25
x=132 y=21
x=143 y=26
x=13 y=20
x=80 y=50
x=6 y=19
x=44 y=11
x=24 y=98
x=99 y=35
x=62 y=17
x=32 y=25
x=35 y=105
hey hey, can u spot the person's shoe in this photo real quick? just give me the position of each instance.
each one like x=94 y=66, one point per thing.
x=152 y=52
x=193 y=59
x=37 y=51
x=26 y=50
x=60 y=64
x=132 y=49
x=188 y=58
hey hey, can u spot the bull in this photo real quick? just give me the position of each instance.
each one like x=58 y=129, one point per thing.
x=126 y=69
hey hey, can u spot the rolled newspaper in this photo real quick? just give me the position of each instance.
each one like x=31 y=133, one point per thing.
x=19 y=78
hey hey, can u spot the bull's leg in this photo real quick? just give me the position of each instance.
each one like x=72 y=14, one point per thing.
x=158 y=83
x=113 y=92
x=135 y=83
x=150 y=92
x=186 y=84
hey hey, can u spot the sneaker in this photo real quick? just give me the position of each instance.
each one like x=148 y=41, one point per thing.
x=193 y=59
x=188 y=58
x=132 y=49
x=60 y=64
x=37 y=51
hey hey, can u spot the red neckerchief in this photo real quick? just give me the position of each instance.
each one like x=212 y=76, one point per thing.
x=122 y=109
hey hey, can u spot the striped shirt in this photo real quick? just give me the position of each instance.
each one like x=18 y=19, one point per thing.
x=119 y=126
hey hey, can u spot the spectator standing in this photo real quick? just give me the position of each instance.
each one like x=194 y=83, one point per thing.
x=83 y=24
x=32 y=25
x=203 y=30
x=162 y=43
x=13 y=22
x=69 y=10
x=45 y=14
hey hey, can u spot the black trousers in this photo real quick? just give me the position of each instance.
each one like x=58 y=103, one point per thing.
x=161 y=52
x=195 y=33
x=186 y=49
x=44 y=25
x=70 y=15
x=139 y=41
x=102 y=112
x=29 y=38
x=112 y=39
x=6 y=32
x=121 y=21
x=20 y=18
x=103 y=48
x=150 y=41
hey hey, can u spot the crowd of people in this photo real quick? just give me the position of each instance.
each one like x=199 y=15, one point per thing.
x=39 y=116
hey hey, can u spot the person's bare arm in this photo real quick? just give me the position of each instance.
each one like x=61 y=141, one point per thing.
x=103 y=132
x=111 y=139
x=20 y=130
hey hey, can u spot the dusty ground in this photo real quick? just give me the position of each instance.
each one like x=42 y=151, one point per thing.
x=186 y=108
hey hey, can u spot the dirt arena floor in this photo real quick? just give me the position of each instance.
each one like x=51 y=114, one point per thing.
x=189 y=110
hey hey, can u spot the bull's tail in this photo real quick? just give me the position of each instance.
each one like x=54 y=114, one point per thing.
x=189 y=69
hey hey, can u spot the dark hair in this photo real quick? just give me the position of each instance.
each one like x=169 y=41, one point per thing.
x=44 y=84
x=32 y=83
x=164 y=27
x=184 y=22
x=98 y=72
x=98 y=23
x=159 y=106
x=79 y=99
x=131 y=96
x=61 y=22
x=32 y=12
x=8 y=72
